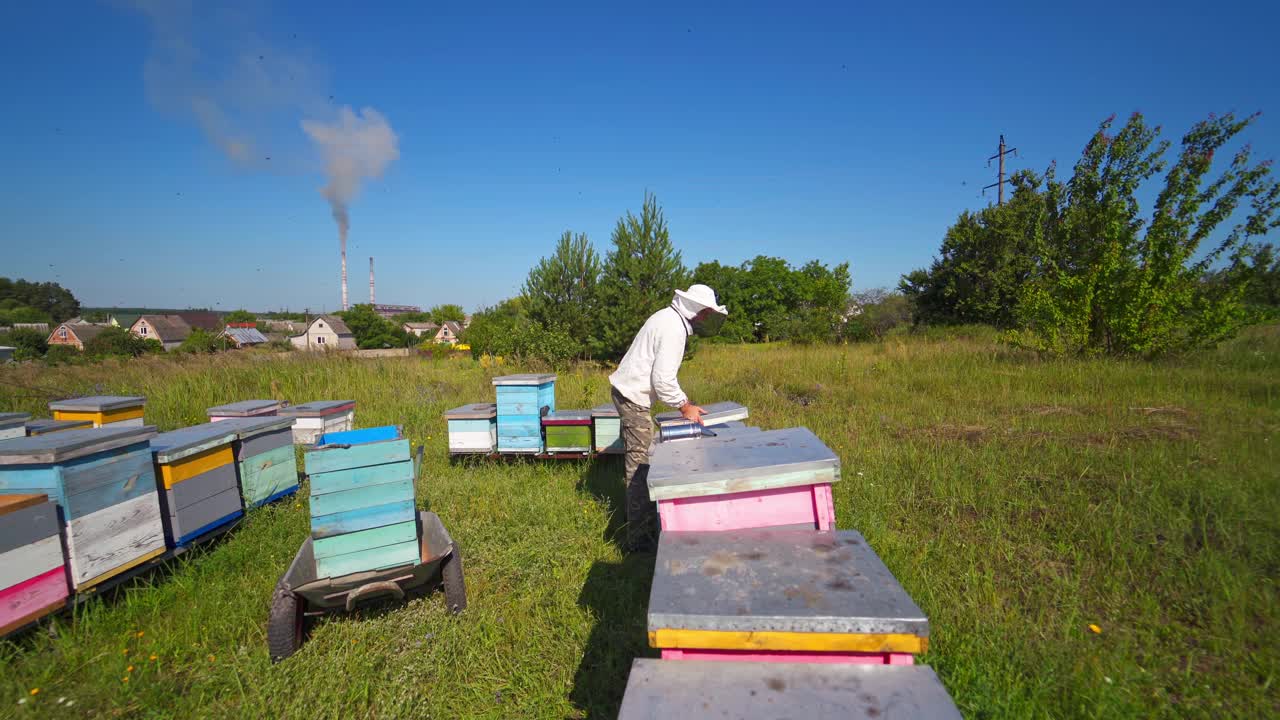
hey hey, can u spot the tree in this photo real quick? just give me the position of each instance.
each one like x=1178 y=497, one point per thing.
x=563 y=292
x=875 y=312
x=442 y=313
x=47 y=297
x=372 y=331
x=1257 y=268
x=119 y=342
x=768 y=299
x=28 y=344
x=202 y=341
x=640 y=273
x=239 y=316
x=413 y=317
x=507 y=330
x=1111 y=282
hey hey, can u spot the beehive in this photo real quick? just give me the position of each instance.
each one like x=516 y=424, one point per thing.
x=199 y=492
x=243 y=409
x=314 y=419
x=13 y=425
x=745 y=479
x=473 y=428
x=362 y=502
x=567 y=431
x=123 y=410
x=521 y=399
x=265 y=461
x=780 y=595
x=103 y=482
x=33 y=572
x=45 y=426
x=606 y=429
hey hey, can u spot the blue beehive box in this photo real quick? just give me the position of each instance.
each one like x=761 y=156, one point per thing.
x=362 y=501
x=521 y=399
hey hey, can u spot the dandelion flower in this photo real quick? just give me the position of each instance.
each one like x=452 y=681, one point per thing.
x=124 y=679
x=124 y=651
x=212 y=658
x=141 y=633
x=129 y=669
x=155 y=657
x=1095 y=629
x=35 y=691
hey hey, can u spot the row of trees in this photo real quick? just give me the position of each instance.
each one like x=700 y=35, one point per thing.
x=372 y=331
x=22 y=301
x=576 y=304
x=1075 y=267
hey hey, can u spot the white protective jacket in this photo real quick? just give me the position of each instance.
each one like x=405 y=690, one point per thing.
x=648 y=370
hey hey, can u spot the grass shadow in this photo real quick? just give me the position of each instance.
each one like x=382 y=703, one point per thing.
x=617 y=595
x=602 y=478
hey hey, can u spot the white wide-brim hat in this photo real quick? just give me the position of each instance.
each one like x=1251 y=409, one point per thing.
x=704 y=296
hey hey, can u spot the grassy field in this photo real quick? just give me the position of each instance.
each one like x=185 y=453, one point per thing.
x=1020 y=502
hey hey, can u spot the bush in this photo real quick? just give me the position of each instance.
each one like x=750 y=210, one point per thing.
x=119 y=342
x=28 y=344
x=878 y=312
x=202 y=341
x=62 y=355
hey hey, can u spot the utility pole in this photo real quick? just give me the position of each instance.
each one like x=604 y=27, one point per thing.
x=1000 y=181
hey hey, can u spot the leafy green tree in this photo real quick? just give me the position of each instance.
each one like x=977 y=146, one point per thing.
x=202 y=341
x=97 y=316
x=372 y=331
x=62 y=355
x=1111 y=282
x=875 y=313
x=119 y=342
x=28 y=344
x=442 y=313
x=1257 y=268
x=770 y=300
x=414 y=317
x=563 y=291
x=733 y=291
x=239 y=316
x=640 y=274
x=24 y=314
x=507 y=330
x=47 y=297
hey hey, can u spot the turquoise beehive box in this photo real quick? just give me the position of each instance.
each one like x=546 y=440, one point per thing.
x=521 y=400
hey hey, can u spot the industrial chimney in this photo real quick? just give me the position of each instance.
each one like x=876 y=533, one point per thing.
x=344 y=273
x=371 y=300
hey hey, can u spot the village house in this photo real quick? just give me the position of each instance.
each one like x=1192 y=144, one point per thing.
x=419 y=329
x=75 y=334
x=325 y=332
x=170 y=330
x=449 y=332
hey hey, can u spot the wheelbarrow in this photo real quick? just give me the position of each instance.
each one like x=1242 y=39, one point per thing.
x=301 y=596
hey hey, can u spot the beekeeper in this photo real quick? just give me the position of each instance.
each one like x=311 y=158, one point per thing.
x=648 y=373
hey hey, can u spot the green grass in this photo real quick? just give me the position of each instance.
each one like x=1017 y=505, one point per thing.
x=1018 y=501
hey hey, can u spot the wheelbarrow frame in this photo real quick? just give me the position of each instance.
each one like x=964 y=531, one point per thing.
x=300 y=595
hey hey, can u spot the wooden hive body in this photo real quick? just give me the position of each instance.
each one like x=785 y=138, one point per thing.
x=521 y=399
x=265 y=460
x=197 y=471
x=33 y=572
x=473 y=428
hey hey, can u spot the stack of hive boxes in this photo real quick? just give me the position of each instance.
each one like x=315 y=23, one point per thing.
x=521 y=399
x=244 y=409
x=105 y=487
x=606 y=427
x=197 y=471
x=13 y=425
x=123 y=410
x=473 y=428
x=362 y=502
x=33 y=572
x=264 y=456
x=314 y=419
x=568 y=431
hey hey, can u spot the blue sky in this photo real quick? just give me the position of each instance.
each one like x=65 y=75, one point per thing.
x=844 y=132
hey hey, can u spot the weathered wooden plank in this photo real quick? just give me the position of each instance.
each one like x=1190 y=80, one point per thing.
x=23 y=563
x=461 y=426
x=519 y=427
x=356 y=520
x=520 y=444
x=361 y=436
x=365 y=539
x=14 y=503
x=529 y=408
x=93 y=487
x=195 y=520
x=196 y=465
x=319 y=408
x=482 y=411
x=28 y=601
x=64 y=447
x=345 y=480
x=264 y=443
x=267 y=474
x=104 y=542
x=363 y=497
x=245 y=408
x=32 y=523
x=175 y=445
x=193 y=490
x=330 y=459
x=405 y=553
x=99 y=403
x=44 y=426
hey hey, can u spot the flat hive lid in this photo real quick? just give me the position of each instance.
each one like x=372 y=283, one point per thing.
x=740 y=462
x=567 y=417
x=525 y=379
x=178 y=444
x=98 y=403
x=71 y=444
x=701 y=689
x=13 y=419
x=247 y=427
x=244 y=407
x=604 y=411
x=474 y=411
x=318 y=408
x=44 y=425
x=717 y=413
x=795 y=581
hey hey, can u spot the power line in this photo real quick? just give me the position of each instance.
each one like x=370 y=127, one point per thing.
x=1000 y=179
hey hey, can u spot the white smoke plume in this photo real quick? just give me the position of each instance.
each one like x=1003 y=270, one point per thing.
x=356 y=147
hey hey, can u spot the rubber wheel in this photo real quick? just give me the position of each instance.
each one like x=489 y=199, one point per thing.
x=286 y=625
x=455 y=590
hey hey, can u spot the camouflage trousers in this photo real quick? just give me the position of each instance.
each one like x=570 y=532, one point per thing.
x=637 y=439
